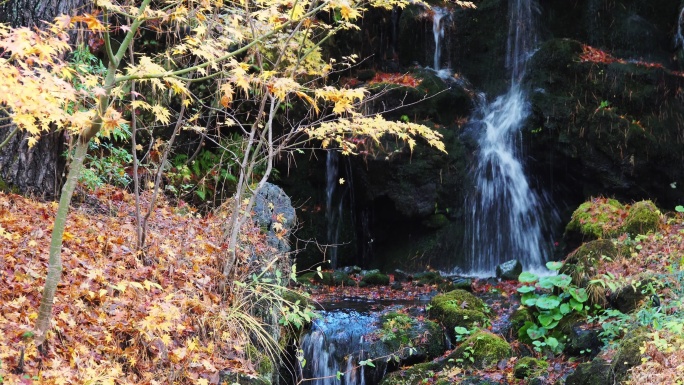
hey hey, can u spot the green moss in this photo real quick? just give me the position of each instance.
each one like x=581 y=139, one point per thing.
x=415 y=375
x=400 y=330
x=628 y=354
x=457 y=308
x=643 y=217
x=583 y=263
x=518 y=319
x=429 y=278
x=375 y=279
x=260 y=361
x=435 y=221
x=529 y=367
x=597 y=219
x=482 y=350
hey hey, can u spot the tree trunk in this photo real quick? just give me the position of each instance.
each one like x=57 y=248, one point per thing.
x=33 y=171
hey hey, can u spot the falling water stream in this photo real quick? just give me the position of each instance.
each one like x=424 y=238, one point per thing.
x=335 y=345
x=333 y=209
x=507 y=217
x=438 y=33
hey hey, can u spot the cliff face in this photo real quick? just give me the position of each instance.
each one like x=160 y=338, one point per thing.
x=607 y=118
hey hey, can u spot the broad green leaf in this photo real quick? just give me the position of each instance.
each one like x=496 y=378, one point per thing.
x=579 y=294
x=561 y=280
x=535 y=332
x=565 y=308
x=525 y=289
x=548 y=302
x=553 y=265
x=545 y=319
x=527 y=277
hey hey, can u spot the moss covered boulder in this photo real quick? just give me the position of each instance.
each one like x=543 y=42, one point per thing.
x=374 y=278
x=457 y=308
x=410 y=339
x=596 y=372
x=482 y=350
x=529 y=367
x=582 y=264
x=643 y=217
x=598 y=218
x=629 y=354
x=415 y=375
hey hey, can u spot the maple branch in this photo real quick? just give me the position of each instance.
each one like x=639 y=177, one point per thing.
x=225 y=57
x=9 y=136
x=108 y=42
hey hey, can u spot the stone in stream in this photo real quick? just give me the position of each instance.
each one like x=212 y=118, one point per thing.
x=509 y=270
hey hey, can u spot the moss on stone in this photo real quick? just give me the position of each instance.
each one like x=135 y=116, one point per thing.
x=596 y=219
x=582 y=264
x=400 y=330
x=414 y=375
x=482 y=350
x=642 y=218
x=628 y=355
x=457 y=308
x=375 y=278
x=260 y=361
x=519 y=318
x=529 y=367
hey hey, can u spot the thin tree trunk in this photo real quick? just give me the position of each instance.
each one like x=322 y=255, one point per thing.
x=55 y=262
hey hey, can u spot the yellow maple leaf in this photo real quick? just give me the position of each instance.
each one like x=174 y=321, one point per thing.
x=161 y=114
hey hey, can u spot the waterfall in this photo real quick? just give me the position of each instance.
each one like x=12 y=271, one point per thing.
x=507 y=218
x=438 y=33
x=333 y=213
x=335 y=344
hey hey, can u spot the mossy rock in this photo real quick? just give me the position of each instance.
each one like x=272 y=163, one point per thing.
x=415 y=375
x=596 y=219
x=528 y=367
x=582 y=264
x=375 y=278
x=596 y=372
x=429 y=278
x=260 y=361
x=335 y=278
x=457 y=308
x=482 y=350
x=628 y=355
x=518 y=320
x=399 y=331
x=643 y=217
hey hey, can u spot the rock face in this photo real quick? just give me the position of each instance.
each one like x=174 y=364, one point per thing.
x=457 y=308
x=509 y=270
x=273 y=212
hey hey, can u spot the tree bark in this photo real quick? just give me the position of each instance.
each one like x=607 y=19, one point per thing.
x=33 y=171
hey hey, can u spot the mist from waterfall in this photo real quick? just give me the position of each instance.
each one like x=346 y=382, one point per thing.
x=507 y=218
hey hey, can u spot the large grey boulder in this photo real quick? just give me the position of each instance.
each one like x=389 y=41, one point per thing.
x=274 y=213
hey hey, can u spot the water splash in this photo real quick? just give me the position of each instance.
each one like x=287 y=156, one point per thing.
x=507 y=217
x=336 y=341
x=438 y=18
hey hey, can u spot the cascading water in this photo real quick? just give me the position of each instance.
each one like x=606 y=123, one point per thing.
x=507 y=218
x=333 y=213
x=438 y=33
x=335 y=344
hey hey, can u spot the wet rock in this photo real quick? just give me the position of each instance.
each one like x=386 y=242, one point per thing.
x=462 y=283
x=351 y=270
x=582 y=341
x=509 y=270
x=596 y=372
x=402 y=276
x=396 y=286
x=410 y=339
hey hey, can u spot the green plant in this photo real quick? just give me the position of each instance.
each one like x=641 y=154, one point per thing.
x=107 y=166
x=550 y=300
x=462 y=333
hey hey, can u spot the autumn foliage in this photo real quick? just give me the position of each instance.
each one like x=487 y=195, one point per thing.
x=117 y=320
